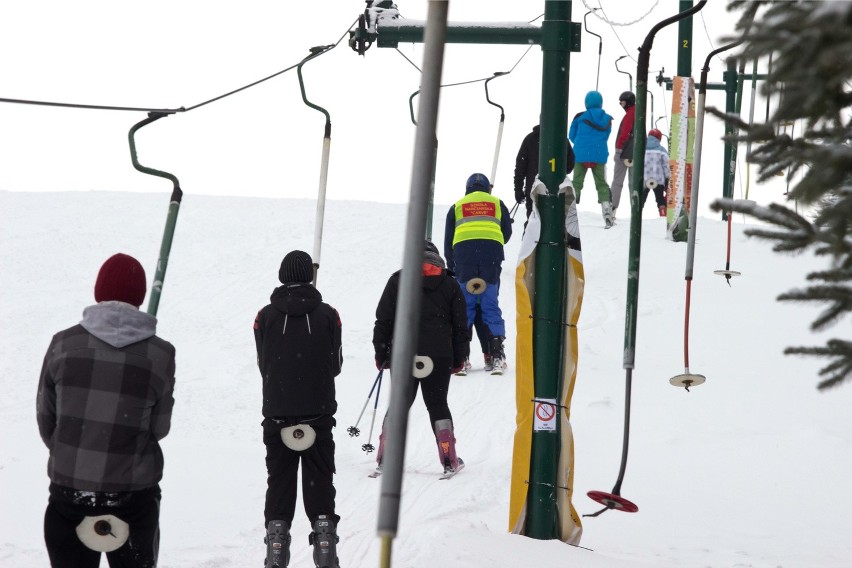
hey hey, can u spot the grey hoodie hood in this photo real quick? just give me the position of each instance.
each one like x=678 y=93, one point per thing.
x=118 y=324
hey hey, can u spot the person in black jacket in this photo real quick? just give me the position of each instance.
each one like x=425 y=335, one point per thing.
x=526 y=166
x=442 y=347
x=299 y=353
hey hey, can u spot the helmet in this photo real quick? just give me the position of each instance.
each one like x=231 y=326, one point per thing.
x=655 y=133
x=628 y=97
x=478 y=182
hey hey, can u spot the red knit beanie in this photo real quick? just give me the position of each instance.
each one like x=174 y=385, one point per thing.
x=122 y=279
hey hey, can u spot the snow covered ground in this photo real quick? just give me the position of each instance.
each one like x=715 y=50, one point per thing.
x=750 y=469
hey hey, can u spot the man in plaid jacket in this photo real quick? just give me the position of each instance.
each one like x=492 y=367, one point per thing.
x=104 y=401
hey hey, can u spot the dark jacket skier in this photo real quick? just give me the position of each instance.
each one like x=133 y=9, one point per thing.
x=298 y=338
x=442 y=347
x=526 y=165
x=104 y=401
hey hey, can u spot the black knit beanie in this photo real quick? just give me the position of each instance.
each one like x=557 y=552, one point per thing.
x=297 y=266
x=431 y=255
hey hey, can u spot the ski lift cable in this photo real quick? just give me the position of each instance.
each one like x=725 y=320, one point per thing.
x=165 y=111
x=606 y=19
x=612 y=23
x=325 y=49
x=709 y=40
x=492 y=76
x=404 y=56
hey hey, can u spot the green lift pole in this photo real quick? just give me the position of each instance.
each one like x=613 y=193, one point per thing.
x=684 y=42
x=548 y=332
x=730 y=153
x=171 y=217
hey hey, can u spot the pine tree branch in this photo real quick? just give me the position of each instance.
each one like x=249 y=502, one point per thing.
x=809 y=132
x=839 y=370
x=838 y=297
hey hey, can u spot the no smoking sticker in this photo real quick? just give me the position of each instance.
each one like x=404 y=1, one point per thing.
x=545 y=415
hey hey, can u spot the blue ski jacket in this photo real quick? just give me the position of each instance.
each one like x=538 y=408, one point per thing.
x=590 y=131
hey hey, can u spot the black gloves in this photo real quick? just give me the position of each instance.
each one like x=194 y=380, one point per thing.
x=383 y=357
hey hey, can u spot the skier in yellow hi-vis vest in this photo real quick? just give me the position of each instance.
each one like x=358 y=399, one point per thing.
x=477 y=227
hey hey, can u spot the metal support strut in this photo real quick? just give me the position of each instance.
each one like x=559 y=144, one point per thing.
x=171 y=218
x=326 y=149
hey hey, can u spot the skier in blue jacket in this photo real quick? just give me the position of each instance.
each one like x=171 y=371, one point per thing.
x=589 y=133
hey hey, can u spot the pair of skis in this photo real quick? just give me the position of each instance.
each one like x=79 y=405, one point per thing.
x=448 y=473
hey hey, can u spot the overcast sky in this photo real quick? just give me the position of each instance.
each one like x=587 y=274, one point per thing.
x=264 y=141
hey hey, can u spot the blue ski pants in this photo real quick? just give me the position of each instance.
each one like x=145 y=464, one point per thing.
x=491 y=314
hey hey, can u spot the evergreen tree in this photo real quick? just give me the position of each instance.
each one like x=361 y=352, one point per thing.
x=809 y=43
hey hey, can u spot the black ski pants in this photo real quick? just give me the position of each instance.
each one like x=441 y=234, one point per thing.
x=435 y=388
x=282 y=467
x=67 y=507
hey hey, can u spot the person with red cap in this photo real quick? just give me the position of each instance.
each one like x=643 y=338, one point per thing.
x=443 y=345
x=104 y=401
x=299 y=353
x=657 y=170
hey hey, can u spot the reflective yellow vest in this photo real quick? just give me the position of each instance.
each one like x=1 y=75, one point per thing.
x=478 y=216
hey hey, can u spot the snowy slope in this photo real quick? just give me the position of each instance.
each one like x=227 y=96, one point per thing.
x=750 y=469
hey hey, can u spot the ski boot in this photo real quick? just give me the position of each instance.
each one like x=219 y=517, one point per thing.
x=446 y=445
x=467 y=366
x=381 y=451
x=277 y=542
x=498 y=357
x=662 y=209
x=324 y=540
x=606 y=210
x=489 y=362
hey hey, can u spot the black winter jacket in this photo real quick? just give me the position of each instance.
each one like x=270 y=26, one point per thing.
x=298 y=338
x=443 y=319
x=526 y=163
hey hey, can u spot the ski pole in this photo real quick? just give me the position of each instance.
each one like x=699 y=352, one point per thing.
x=353 y=430
x=368 y=447
x=514 y=209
